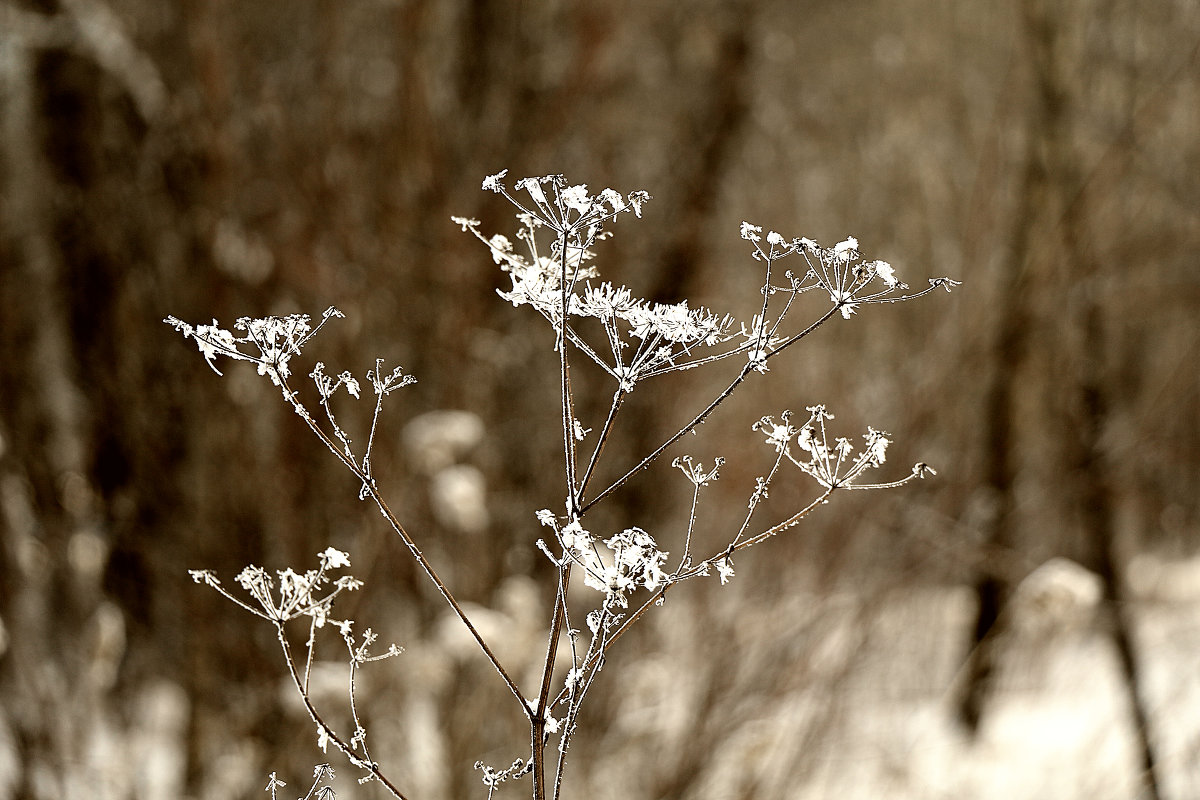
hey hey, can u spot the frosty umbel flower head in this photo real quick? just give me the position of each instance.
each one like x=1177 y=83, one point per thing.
x=276 y=340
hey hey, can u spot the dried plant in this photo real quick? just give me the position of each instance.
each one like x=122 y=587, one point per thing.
x=631 y=341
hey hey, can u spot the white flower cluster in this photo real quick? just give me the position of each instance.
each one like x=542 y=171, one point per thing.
x=567 y=207
x=561 y=281
x=648 y=339
x=306 y=594
x=656 y=323
x=833 y=463
x=840 y=271
x=276 y=339
x=633 y=559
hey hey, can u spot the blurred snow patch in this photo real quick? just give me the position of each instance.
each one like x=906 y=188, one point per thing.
x=161 y=718
x=241 y=254
x=438 y=439
x=512 y=627
x=426 y=746
x=458 y=497
x=1153 y=577
x=106 y=645
x=1059 y=594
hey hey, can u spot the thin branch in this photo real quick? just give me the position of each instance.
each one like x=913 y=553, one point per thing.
x=373 y=491
x=659 y=594
x=699 y=418
x=341 y=745
x=602 y=438
x=444 y=591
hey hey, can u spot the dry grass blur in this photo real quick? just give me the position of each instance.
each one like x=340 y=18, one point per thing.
x=215 y=159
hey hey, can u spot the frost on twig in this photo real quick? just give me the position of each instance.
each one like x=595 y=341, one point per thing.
x=276 y=340
x=270 y=343
x=832 y=462
x=290 y=595
x=322 y=773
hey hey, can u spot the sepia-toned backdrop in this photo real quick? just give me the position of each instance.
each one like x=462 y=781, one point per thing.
x=1022 y=625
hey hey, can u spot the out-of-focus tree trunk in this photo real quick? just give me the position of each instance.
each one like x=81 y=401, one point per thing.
x=1050 y=249
x=93 y=488
x=48 y=490
x=1012 y=329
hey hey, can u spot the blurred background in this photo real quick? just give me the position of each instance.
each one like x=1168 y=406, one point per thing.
x=1024 y=625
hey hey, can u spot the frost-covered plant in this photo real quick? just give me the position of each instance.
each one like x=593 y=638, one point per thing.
x=631 y=340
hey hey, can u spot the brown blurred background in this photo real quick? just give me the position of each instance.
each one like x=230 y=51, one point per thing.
x=218 y=159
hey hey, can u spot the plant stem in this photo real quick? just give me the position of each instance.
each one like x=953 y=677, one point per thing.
x=699 y=418
x=422 y=561
x=341 y=745
x=602 y=439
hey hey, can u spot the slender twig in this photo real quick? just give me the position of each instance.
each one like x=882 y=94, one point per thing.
x=332 y=735
x=702 y=567
x=759 y=493
x=568 y=416
x=373 y=492
x=598 y=646
x=687 y=541
x=602 y=438
x=538 y=720
x=699 y=418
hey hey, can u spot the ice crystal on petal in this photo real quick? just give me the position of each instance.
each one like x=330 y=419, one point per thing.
x=574 y=537
x=637 y=200
x=492 y=182
x=614 y=199
x=846 y=249
x=502 y=248
x=203 y=576
x=533 y=186
x=778 y=434
x=276 y=339
x=576 y=197
x=334 y=558
x=886 y=273
x=877 y=443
